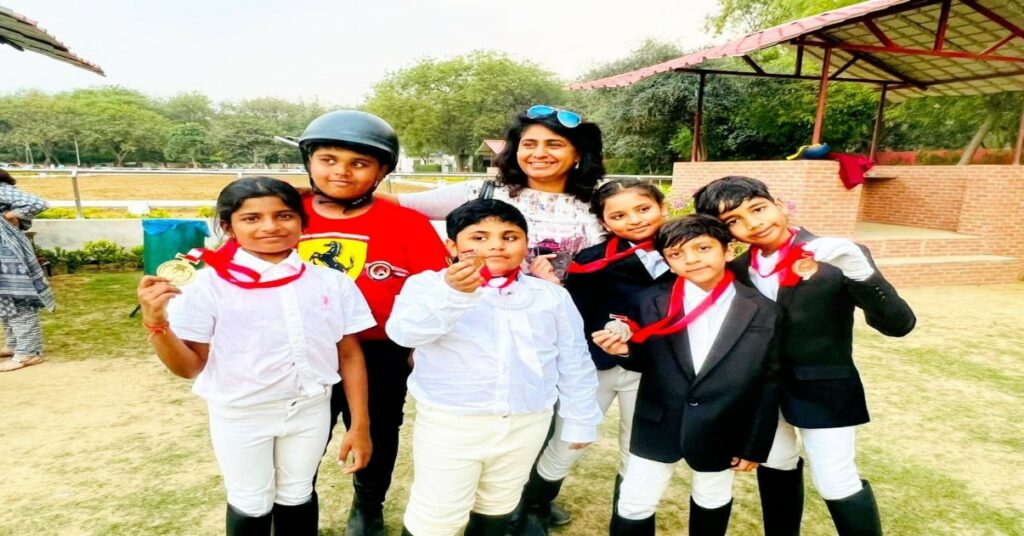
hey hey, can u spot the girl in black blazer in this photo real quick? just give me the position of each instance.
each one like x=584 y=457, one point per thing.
x=601 y=280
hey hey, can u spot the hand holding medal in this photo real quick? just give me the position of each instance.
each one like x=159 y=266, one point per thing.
x=464 y=274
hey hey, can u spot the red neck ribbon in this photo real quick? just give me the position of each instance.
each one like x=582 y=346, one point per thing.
x=610 y=256
x=222 y=262
x=510 y=277
x=788 y=254
x=666 y=325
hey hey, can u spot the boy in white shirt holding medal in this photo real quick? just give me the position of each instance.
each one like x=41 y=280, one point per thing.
x=494 y=351
x=708 y=393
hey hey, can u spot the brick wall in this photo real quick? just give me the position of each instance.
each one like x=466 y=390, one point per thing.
x=918 y=196
x=822 y=204
x=982 y=201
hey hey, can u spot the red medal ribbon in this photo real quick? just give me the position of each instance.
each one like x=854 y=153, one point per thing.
x=510 y=277
x=666 y=326
x=610 y=256
x=222 y=262
x=788 y=255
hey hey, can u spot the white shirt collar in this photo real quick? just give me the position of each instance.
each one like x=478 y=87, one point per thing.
x=248 y=260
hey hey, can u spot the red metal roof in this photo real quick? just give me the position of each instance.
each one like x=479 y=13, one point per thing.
x=948 y=47
x=24 y=33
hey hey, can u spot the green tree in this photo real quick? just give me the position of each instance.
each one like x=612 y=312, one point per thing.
x=244 y=131
x=451 y=105
x=193 y=107
x=37 y=120
x=120 y=122
x=187 y=141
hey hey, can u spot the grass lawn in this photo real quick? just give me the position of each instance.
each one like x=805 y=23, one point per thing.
x=101 y=439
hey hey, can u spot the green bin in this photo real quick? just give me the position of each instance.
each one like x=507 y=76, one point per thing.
x=162 y=239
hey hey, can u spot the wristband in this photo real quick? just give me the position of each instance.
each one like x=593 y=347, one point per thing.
x=157 y=329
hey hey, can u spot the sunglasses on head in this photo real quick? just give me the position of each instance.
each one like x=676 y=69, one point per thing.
x=567 y=118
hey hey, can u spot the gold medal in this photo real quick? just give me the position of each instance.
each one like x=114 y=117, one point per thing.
x=178 y=272
x=805 y=267
x=620 y=328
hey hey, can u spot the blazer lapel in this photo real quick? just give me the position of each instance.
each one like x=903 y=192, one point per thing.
x=741 y=312
x=679 y=342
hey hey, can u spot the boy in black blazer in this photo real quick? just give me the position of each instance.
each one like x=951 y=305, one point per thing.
x=818 y=282
x=708 y=393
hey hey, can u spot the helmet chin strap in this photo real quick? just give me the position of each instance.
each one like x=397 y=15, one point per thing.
x=346 y=204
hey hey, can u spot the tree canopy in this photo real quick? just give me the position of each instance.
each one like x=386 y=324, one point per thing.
x=449 y=106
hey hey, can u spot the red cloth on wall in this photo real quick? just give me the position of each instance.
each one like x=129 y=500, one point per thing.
x=851 y=168
x=379 y=249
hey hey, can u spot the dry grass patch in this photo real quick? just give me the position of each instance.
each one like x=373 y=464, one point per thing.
x=101 y=439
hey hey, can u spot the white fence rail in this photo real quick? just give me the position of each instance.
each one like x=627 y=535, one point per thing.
x=426 y=180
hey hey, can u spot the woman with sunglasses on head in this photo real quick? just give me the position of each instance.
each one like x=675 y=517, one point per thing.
x=548 y=169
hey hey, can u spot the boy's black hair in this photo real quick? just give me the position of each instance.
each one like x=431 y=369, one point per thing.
x=585 y=138
x=610 y=188
x=234 y=195
x=478 y=210
x=682 y=230
x=727 y=193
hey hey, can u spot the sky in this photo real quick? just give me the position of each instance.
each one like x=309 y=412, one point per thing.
x=330 y=51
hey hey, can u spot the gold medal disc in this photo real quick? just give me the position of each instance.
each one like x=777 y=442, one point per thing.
x=805 y=267
x=178 y=272
x=620 y=328
x=473 y=258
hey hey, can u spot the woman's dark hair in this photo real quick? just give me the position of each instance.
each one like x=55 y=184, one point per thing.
x=478 y=210
x=615 y=186
x=585 y=138
x=727 y=193
x=682 y=230
x=235 y=194
x=6 y=177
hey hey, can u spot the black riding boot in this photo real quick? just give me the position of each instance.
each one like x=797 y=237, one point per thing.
x=782 y=499
x=485 y=525
x=856 y=515
x=615 y=494
x=365 y=517
x=709 y=521
x=621 y=526
x=239 y=524
x=299 y=520
x=537 y=497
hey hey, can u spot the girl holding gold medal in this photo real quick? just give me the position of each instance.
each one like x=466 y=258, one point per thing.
x=264 y=335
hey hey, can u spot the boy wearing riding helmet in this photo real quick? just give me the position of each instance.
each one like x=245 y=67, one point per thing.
x=379 y=245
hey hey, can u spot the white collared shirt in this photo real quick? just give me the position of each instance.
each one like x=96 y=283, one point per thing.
x=268 y=344
x=769 y=286
x=652 y=261
x=498 y=352
x=703 y=331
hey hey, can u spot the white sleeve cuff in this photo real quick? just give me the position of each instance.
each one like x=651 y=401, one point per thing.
x=578 y=433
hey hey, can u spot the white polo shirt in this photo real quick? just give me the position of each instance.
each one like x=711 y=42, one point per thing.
x=268 y=344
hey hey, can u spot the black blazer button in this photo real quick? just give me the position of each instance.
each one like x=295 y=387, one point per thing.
x=694 y=403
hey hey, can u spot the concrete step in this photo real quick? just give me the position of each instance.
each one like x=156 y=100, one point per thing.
x=886 y=240
x=937 y=270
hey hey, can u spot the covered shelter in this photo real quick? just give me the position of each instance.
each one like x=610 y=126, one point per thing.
x=925 y=224
x=908 y=48
x=23 y=33
x=489 y=150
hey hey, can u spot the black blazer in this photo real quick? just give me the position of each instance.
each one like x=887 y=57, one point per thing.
x=821 y=387
x=729 y=409
x=607 y=291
